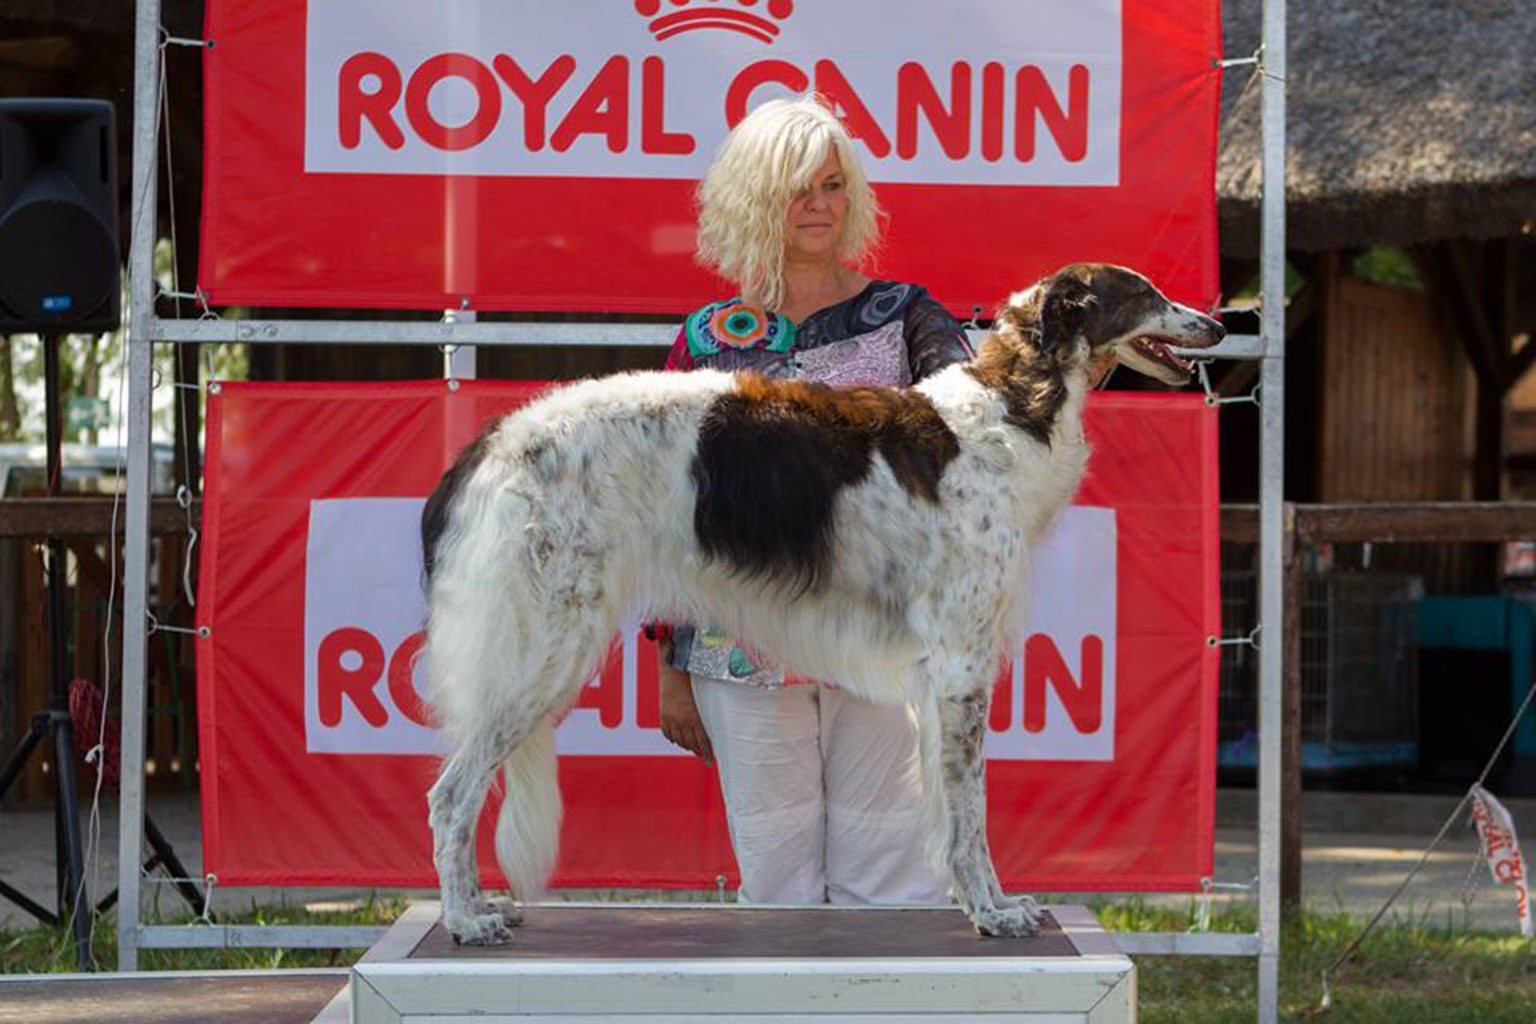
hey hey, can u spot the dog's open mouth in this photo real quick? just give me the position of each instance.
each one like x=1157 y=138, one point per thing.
x=1159 y=351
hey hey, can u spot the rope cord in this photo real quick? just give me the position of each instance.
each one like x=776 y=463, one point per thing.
x=1331 y=971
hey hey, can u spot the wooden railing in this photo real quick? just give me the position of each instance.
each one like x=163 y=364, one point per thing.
x=83 y=524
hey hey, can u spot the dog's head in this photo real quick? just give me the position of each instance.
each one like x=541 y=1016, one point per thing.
x=1116 y=312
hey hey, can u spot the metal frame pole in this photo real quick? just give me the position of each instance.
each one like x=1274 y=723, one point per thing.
x=141 y=269
x=1271 y=503
x=459 y=362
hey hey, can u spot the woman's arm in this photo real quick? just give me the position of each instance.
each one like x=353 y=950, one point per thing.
x=680 y=721
x=934 y=338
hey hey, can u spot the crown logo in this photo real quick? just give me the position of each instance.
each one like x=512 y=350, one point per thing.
x=731 y=15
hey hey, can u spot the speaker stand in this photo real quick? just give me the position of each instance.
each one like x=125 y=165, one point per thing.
x=55 y=722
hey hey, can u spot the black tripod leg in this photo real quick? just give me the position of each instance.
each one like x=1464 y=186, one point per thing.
x=19 y=756
x=13 y=765
x=19 y=898
x=69 y=810
x=194 y=896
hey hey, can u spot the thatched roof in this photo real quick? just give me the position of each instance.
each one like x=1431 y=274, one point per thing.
x=1408 y=121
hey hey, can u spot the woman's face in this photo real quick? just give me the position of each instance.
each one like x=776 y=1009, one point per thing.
x=814 y=222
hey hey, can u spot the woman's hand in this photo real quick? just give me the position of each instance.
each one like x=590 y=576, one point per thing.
x=680 y=721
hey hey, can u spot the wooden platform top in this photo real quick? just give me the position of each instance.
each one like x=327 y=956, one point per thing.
x=662 y=933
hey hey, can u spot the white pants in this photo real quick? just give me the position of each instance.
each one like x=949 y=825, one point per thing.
x=823 y=793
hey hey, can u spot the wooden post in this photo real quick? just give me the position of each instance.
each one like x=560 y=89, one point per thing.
x=31 y=789
x=1290 y=730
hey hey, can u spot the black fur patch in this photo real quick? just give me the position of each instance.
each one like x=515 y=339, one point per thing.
x=1026 y=359
x=434 y=515
x=1033 y=384
x=774 y=454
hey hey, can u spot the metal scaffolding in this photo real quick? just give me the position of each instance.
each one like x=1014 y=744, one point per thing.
x=460 y=333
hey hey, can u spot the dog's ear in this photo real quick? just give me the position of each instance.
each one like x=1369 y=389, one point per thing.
x=1064 y=311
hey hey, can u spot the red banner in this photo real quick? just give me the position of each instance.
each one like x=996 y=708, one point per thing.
x=317 y=755
x=535 y=156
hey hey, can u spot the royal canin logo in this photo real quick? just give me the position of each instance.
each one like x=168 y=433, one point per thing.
x=364 y=670
x=533 y=91
x=731 y=15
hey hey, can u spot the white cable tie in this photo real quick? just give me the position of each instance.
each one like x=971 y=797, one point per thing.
x=1214 y=398
x=183 y=496
x=156 y=626
x=1251 y=640
x=92 y=754
x=166 y=39
x=199 y=296
x=1250 y=397
x=186 y=569
x=1203 y=911
x=1256 y=57
x=210 y=882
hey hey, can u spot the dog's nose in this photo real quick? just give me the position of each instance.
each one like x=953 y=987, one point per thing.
x=1218 y=329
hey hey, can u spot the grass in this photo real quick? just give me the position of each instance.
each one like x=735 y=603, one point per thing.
x=1406 y=972
x=45 y=949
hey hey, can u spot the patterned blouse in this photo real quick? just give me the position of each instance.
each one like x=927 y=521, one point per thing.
x=889 y=335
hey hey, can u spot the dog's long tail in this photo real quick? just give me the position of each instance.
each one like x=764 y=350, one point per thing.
x=935 y=805
x=528 y=828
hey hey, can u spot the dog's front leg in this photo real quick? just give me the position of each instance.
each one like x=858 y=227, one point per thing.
x=963 y=724
x=994 y=886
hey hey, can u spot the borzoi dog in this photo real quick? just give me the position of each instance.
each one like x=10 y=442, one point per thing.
x=876 y=538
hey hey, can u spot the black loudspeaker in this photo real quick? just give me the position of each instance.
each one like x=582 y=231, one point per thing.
x=59 y=269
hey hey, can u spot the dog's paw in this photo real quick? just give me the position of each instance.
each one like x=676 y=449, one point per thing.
x=1026 y=903
x=491 y=929
x=510 y=912
x=1012 y=922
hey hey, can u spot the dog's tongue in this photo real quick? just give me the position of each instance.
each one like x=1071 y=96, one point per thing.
x=1159 y=350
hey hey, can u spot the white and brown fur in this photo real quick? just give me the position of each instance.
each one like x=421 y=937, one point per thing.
x=876 y=538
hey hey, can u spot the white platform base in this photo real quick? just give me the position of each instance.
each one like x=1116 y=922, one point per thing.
x=1097 y=985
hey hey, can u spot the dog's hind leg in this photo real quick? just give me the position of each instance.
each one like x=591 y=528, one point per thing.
x=454 y=806
x=963 y=723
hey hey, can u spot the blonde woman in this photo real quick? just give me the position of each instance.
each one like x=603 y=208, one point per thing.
x=822 y=790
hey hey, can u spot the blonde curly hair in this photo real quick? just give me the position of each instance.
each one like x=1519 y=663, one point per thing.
x=763 y=164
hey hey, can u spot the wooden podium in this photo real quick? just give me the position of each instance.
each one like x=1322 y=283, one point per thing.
x=694 y=963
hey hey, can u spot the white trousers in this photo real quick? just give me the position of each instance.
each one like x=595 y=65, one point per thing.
x=823 y=793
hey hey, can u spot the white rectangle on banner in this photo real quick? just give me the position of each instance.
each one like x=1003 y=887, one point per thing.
x=365 y=612
x=364 y=617
x=1062 y=691
x=997 y=92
